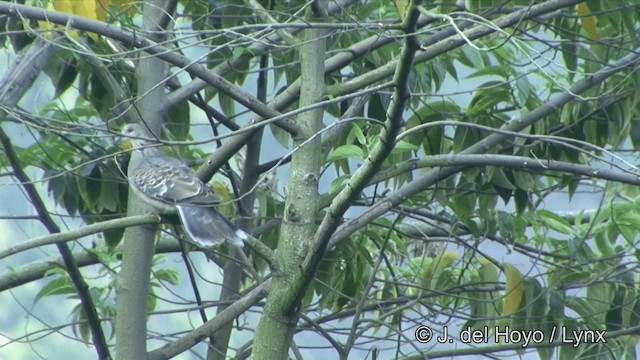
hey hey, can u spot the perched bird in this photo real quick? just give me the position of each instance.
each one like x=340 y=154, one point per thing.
x=167 y=184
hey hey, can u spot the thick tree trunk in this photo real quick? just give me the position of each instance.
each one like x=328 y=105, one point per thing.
x=138 y=247
x=275 y=330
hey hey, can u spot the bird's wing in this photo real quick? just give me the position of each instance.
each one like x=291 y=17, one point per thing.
x=170 y=180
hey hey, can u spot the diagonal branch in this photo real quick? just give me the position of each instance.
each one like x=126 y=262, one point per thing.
x=437 y=174
x=26 y=273
x=256 y=49
x=231 y=312
x=436 y=44
x=380 y=151
x=78 y=233
x=153 y=48
x=504 y=161
x=27 y=67
x=448 y=40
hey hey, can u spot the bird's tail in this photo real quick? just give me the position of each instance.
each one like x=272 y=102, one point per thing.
x=207 y=227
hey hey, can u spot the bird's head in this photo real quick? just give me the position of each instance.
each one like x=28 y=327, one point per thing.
x=135 y=137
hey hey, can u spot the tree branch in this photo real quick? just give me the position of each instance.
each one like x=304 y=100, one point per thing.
x=17 y=80
x=257 y=48
x=151 y=47
x=26 y=273
x=437 y=174
x=81 y=232
x=132 y=282
x=231 y=312
x=434 y=46
x=274 y=332
x=505 y=161
x=379 y=152
x=447 y=40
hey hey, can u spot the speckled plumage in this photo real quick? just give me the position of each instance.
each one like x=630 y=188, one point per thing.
x=168 y=184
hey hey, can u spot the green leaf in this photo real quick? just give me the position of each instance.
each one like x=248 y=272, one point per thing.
x=568 y=351
x=431 y=138
x=352 y=282
x=463 y=138
x=536 y=305
x=463 y=200
x=505 y=226
x=357 y=132
x=109 y=195
x=62 y=71
x=81 y=329
x=152 y=299
x=336 y=184
x=438 y=272
x=553 y=318
x=505 y=194
x=377 y=107
x=487 y=201
x=228 y=105
x=555 y=222
x=437 y=74
x=345 y=152
x=484 y=304
x=66 y=77
x=280 y=135
x=500 y=178
x=572 y=277
x=58 y=286
x=451 y=69
x=89 y=185
x=178 y=122
x=403 y=146
x=613 y=319
x=169 y=275
x=470 y=57
x=634 y=320
x=489 y=71
x=487 y=96
x=569 y=47
x=603 y=244
x=521 y=199
x=599 y=296
x=524 y=89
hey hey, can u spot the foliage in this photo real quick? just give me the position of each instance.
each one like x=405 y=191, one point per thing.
x=464 y=242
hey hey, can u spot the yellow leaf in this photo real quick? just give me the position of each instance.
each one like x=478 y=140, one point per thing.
x=102 y=6
x=513 y=292
x=45 y=25
x=86 y=8
x=222 y=192
x=123 y=5
x=63 y=6
x=433 y=272
x=588 y=21
x=402 y=5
